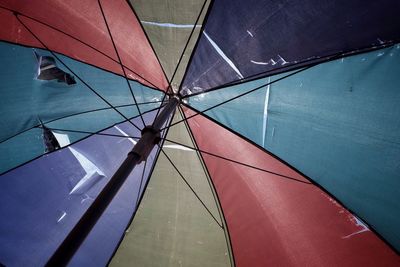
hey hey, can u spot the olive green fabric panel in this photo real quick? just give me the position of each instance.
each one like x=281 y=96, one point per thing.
x=189 y=164
x=168 y=25
x=171 y=226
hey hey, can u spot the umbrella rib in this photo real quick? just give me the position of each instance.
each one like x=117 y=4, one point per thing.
x=129 y=3
x=197 y=41
x=87 y=85
x=187 y=43
x=91 y=133
x=200 y=158
x=180 y=59
x=183 y=52
x=237 y=162
x=191 y=188
x=238 y=96
x=82 y=42
x=294 y=67
x=162 y=101
x=72 y=242
x=214 y=192
x=120 y=61
x=144 y=189
x=77 y=114
x=140 y=196
x=186 y=146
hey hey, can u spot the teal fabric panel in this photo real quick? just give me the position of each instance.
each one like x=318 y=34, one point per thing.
x=24 y=99
x=338 y=123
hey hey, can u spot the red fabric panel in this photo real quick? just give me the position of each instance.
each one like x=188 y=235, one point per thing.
x=83 y=20
x=12 y=31
x=275 y=221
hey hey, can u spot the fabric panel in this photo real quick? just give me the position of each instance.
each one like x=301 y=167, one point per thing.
x=171 y=227
x=26 y=100
x=52 y=193
x=338 y=123
x=168 y=25
x=245 y=38
x=281 y=222
x=114 y=223
x=84 y=21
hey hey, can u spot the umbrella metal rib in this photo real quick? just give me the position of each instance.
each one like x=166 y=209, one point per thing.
x=191 y=188
x=213 y=190
x=16 y=14
x=240 y=95
x=183 y=52
x=82 y=42
x=237 y=162
x=186 y=146
x=80 y=113
x=120 y=61
x=294 y=67
x=150 y=137
x=187 y=43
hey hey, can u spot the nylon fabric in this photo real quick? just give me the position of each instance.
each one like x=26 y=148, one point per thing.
x=26 y=99
x=302 y=172
x=337 y=122
x=246 y=38
x=46 y=198
x=171 y=227
x=168 y=25
x=275 y=221
x=115 y=220
x=84 y=21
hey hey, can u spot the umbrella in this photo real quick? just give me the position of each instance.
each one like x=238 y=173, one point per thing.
x=199 y=133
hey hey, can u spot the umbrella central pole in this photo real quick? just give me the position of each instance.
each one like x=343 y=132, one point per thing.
x=151 y=136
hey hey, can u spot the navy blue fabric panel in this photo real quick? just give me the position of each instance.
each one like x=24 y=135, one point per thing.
x=204 y=66
x=258 y=36
x=42 y=200
x=338 y=123
x=25 y=99
x=111 y=226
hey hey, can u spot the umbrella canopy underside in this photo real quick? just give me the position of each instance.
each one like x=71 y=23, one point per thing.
x=283 y=151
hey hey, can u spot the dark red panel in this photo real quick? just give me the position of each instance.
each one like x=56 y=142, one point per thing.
x=12 y=31
x=83 y=20
x=274 y=221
